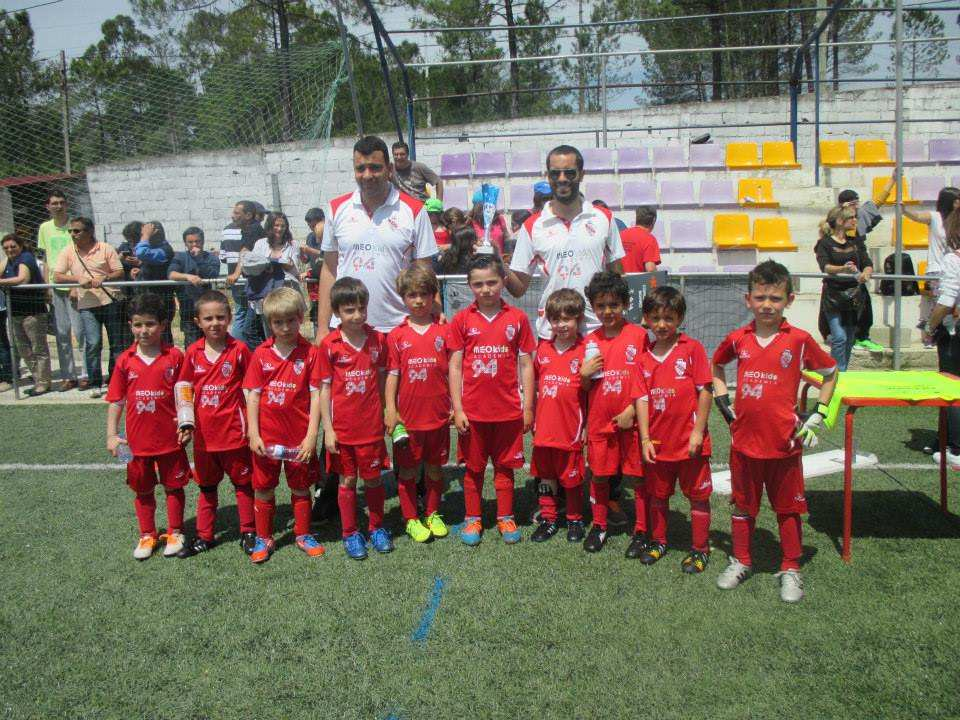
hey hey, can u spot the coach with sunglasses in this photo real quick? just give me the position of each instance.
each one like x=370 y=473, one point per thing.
x=571 y=240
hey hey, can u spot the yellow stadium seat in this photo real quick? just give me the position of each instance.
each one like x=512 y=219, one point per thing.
x=756 y=192
x=779 y=154
x=879 y=182
x=732 y=230
x=742 y=156
x=872 y=153
x=773 y=234
x=922 y=270
x=835 y=153
x=914 y=235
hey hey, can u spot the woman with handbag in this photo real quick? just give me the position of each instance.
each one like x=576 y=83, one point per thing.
x=28 y=311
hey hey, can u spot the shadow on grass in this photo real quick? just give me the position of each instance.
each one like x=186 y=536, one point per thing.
x=920 y=438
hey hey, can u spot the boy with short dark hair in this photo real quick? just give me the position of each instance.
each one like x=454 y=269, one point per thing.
x=767 y=437
x=641 y=247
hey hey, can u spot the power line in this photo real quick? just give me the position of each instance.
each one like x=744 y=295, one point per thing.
x=31 y=7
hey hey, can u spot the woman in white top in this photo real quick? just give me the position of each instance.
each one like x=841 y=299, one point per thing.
x=947 y=201
x=280 y=247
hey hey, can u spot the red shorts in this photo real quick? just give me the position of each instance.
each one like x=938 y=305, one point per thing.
x=173 y=469
x=428 y=446
x=616 y=452
x=210 y=465
x=783 y=478
x=300 y=476
x=693 y=474
x=564 y=466
x=364 y=461
x=502 y=442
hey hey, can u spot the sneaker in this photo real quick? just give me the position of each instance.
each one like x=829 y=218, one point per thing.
x=546 y=529
x=83 y=385
x=733 y=574
x=37 y=390
x=472 y=532
x=575 y=531
x=953 y=461
x=310 y=545
x=417 y=531
x=145 y=547
x=194 y=546
x=616 y=517
x=869 y=344
x=381 y=540
x=508 y=530
x=97 y=392
x=695 y=562
x=791 y=586
x=637 y=546
x=66 y=385
x=436 y=525
x=356 y=546
x=653 y=552
x=174 y=544
x=248 y=541
x=595 y=539
x=262 y=550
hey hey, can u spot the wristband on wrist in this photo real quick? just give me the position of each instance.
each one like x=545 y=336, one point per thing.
x=822 y=409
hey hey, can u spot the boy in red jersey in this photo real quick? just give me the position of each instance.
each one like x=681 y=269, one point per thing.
x=214 y=366
x=610 y=373
x=417 y=378
x=673 y=426
x=558 y=427
x=352 y=363
x=283 y=420
x=490 y=344
x=142 y=382
x=766 y=444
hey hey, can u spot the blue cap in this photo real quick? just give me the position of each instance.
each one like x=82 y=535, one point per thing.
x=542 y=187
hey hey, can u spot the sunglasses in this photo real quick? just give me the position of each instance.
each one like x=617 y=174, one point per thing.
x=568 y=173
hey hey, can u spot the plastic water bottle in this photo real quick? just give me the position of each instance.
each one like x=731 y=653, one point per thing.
x=282 y=452
x=124 y=453
x=400 y=436
x=591 y=351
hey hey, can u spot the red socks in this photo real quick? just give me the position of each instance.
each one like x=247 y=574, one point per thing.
x=376 y=496
x=700 y=524
x=434 y=493
x=206 y=512
x=742 y=531
x=245 y=508
x=472 y=497
x=301 y=513
x=175 y=503
x=790 y=540
x=601 y=499
x=640 y=507
x=548 y=507
x=347 y=501
x=574 y=502
x=503 y=484
x=145 y=506
x=263 y=511
x=658 y=520
x=407 y=492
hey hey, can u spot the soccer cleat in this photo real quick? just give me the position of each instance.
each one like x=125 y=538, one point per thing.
x=194 y=546
x=310 y=545
x=733 y=574
x=262 y=550
x=615 y=514
x=174 y=543
x=953 y=461
x=575 y=531
x=472 y=532
x=145 y=547
x=546 y=529
x=695 y=562
x=436 y=525
x=356 y=546
x=791 y=586
x=381 y=540
x=637 y=546
x=508 y=530
x=417 y=531
x=595 y=539
x=247 y=541
x=653 y=552
x=870 y=345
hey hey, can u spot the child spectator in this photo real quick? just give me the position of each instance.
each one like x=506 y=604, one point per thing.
x=610 y=373
x=490 y=344
x=641 y=247
x=311 y=254
x=353 y=359
x=215 y=366
x=283 y=417
x=434 y=208
x=456 y=259
x=142 y=383
x=558 y=428
x=418 y=396
x=673 y=426
x=767 y=438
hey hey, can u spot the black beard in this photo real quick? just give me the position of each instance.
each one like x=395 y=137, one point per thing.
x=571 y=199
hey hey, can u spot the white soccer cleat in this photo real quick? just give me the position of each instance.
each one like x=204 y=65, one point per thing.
x=733 y=574
x=145 y=547
x=791 y=586
x=174 y=544
x=953 y=461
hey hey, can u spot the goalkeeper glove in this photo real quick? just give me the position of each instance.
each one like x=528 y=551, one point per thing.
x=807 y=434
x=723 y=405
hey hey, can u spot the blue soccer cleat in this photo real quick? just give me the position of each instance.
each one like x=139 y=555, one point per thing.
x=356 y=546
x=472 y=532
x=381 y=540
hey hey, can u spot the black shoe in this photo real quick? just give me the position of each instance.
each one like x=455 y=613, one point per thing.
x=653 y=552
x=247 y=541
x=575 y=531
x=637 y=546
x=695 y=562
x=595 y=539
x=545 y=530
x=192 y=547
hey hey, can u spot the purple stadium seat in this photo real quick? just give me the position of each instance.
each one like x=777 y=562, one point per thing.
x=609 y=192
x=639 y=192
x=945 y=151
x=913 y=152
x=633 y=159
x=456 y=197
x=660 y=232
x=737 y=268
x=521 y=196
x=669 y=157
x=717 y=193
x=925 y=188
x=598 y=160
x=955 y=180
x=677 y=193
x=689 y=235
x=692 y=269
x=526 y=162
x=455 y=165
x=707 y=157
x=490 y=164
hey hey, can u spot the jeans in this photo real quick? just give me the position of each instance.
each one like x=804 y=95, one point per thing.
x=948 y=360
x=30 y=334
x=255 y=329
x=95 y=321
x=240 y=310
x=842 y=338
x=6 y=361
x=67 y=324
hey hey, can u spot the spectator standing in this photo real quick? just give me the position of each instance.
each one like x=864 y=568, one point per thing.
x=238 y=237
x=456 y=258
x=412 y=176
x=131 y=264
x=441 y=234
x=28 y=311
x=193 y=265
x=948 y=200
x=6 y=361
x=541 y=194
x=621 y=225
x=155 y=255
x=311 y=254
x=641 y=247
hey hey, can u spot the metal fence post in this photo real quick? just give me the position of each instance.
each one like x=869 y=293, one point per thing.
x=816 y=115
x=603 y=96
x=898 y=173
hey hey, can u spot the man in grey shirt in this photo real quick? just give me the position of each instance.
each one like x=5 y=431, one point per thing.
x=411 y=176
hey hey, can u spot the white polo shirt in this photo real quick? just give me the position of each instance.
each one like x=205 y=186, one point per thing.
x=375 y=248
x=568 y=255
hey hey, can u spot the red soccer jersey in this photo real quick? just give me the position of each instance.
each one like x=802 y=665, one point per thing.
x=767 y=382
x=611 y=394
x=491 y=378
x=640 y=247
x=284 y=384
x=218 y=402
x=560 y=396
x=147 y=391
x=673 y=387
x=420 y=361
x=354 y=377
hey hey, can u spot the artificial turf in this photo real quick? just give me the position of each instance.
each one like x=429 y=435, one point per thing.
x=532 y=630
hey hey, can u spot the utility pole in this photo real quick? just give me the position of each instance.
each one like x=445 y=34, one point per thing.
x=65 y=112
x=345 y=44
x=286 y=94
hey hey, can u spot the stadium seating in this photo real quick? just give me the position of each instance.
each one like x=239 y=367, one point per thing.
x=737 y=268
x=490 y=164
x=871 y=153
x=689 y=235
x=955 y=181
x=779 y=154
x=521 y=196
x=913 y=152
x=773 y=234
x=456 y=197
x=693 y=269
x=639 y=192
x=756 y=192
x=922 y=270
x=731 y=231
x=669 y=157
x=945 y=151
x=598 y=160
x=526 y=162
x=677 y=194
x=915 y=235
x=717 y=193
x=660 y=232
x=708 y=156
x=609 y=192
x=633 y=159
x=456 y=165
x=927 y=187
x=835 y=153
x=742 y=156
x=879 y=182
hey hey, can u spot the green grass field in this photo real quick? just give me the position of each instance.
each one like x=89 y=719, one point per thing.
x=536 y=631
